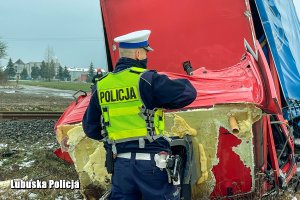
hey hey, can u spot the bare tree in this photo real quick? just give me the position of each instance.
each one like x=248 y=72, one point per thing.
x=49 y=58
x=3 y=48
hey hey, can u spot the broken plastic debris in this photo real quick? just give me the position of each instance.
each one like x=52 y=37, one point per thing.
x=203 y=165
x=181 y=127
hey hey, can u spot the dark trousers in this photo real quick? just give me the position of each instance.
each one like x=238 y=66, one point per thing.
x=141 y=179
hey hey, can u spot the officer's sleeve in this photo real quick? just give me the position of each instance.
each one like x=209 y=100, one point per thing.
x=172 y=94
x=91 y=119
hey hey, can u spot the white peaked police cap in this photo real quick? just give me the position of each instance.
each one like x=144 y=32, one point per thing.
x=133 y=40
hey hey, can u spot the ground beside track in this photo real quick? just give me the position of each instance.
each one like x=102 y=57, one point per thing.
x=26 y=148
x=26 y=152
x=15 y=100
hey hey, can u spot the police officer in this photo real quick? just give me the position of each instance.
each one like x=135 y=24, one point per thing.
x=97 y=76
x=126 y=112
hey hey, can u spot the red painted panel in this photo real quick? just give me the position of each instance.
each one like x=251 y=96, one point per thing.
x=269 y=146
x=239 y=83
x=292 y=173
x=208 y=33
x=290 y=168
x=272 y=151
x=275 y=78
x=63 y=155
x=270 y=101
x=232 y=176
x=74 y=113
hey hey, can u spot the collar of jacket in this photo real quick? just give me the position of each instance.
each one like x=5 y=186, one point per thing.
x=125 y=63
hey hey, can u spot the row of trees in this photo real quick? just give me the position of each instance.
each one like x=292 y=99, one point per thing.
x=63 y=74
x=46 y=72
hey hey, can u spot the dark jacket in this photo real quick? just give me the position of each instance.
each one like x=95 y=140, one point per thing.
x=157 y=91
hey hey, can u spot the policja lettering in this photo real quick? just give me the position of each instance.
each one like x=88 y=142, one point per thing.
x=118 y=95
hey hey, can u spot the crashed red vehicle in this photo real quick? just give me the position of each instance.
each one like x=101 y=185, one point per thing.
x=243 y=146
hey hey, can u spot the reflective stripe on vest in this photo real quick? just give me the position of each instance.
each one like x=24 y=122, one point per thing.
x=124 y=117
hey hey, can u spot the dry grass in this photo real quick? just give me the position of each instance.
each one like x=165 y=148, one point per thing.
x=61 y=85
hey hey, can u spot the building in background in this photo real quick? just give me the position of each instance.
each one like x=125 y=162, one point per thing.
x=78 y=74
x=29 y=66
x=19 y=65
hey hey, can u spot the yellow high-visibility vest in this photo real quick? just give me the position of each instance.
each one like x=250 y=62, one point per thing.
x=124 y=117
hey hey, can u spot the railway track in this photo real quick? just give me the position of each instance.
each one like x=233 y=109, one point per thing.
x=30 y=115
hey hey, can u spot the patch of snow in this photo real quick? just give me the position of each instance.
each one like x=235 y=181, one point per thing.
x=48 y=133
x=10 y=92
x=26 y=164
x=19 y=149
x=20 y=191
x=59 y=198
x=32 y=195
x=50 y=145
x=77 y=196
x=3 y=145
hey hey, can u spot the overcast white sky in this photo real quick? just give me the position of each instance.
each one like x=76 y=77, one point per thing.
x=72 y=28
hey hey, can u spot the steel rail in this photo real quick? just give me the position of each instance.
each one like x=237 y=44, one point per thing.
x=29 y=115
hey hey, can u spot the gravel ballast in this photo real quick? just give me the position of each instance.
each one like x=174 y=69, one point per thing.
x=26 y=152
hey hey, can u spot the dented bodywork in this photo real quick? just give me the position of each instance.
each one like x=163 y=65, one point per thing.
x=232 y=138
x=205 y=127
x=218 y=124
